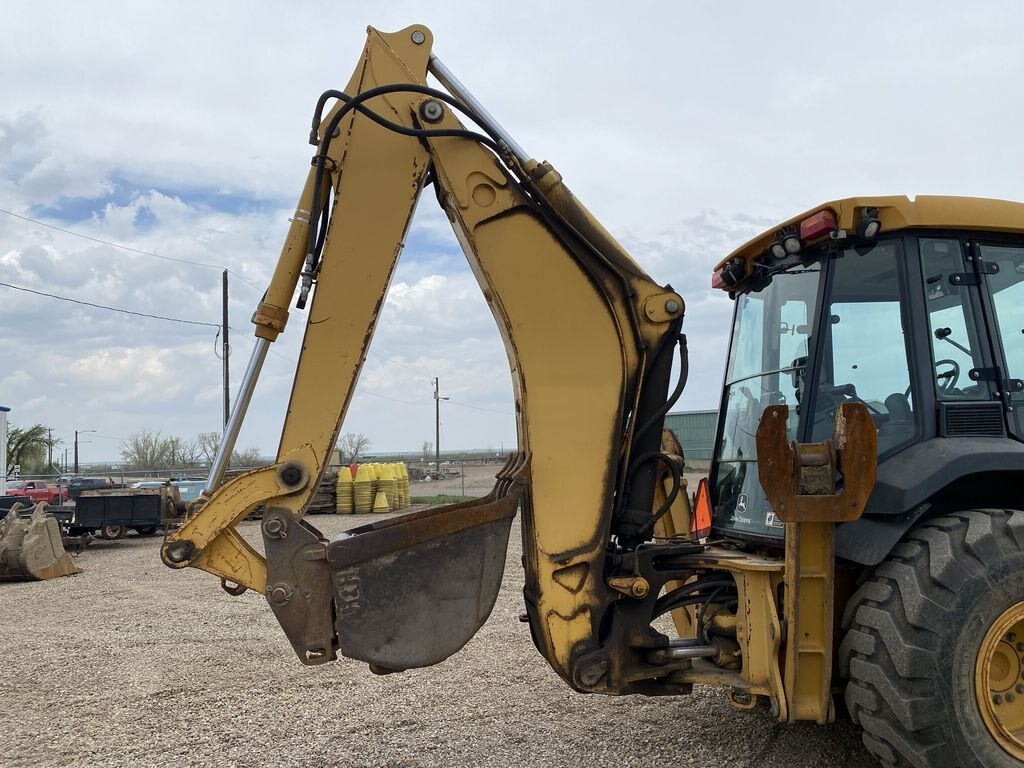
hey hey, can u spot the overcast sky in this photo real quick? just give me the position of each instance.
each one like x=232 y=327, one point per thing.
x=180 y=129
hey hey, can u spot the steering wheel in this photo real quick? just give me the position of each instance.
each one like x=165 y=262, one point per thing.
x=947 y=380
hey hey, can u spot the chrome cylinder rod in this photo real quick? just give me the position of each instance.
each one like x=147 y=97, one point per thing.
x=234 y=425
x=676 y=653
x=437 y=68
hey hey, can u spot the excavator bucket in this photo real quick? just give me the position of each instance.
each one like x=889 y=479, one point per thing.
x=32 y=548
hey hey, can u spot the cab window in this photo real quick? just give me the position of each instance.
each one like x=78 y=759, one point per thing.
x=865 y=346
x=952 y=325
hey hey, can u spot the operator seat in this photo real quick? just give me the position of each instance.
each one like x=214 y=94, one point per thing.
x=899 y=425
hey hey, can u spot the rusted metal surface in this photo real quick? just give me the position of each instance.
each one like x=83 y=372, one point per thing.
x=808 y=609
x=299 y=585
x=399 y=593
x=32 y=548
x=412 y=590
x=799 y=480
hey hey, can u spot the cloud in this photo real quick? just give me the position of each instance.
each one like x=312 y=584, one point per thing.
x=683 y=134
x=128 y=374
x=31 y=168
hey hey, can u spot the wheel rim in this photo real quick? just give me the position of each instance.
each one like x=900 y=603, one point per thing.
x=999 y=680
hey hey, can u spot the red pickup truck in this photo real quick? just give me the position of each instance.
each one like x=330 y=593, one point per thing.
x=37 y=490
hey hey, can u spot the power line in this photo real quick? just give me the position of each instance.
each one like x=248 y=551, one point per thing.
x=109 y=309
x=217 y=325
x=370 y=394
x=130 y=249
x=478 y=408
x=407 y=367
x=230 y=271
x=392 y=399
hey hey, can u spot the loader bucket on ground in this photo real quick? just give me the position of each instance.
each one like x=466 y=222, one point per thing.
x=32 y=548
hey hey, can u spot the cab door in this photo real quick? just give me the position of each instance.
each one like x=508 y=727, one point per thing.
x=1000 y=267
x=963 y=366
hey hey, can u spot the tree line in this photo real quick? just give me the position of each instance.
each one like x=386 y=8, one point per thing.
x=151 y=449
x=31 y=448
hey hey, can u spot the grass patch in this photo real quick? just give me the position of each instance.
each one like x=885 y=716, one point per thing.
x=442 y=499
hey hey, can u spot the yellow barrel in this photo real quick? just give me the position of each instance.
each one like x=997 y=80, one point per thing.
x=404 y=480
x=346 y=492
x=386 y=485
x=362 y=490
x=396 y=498
x=374 y=483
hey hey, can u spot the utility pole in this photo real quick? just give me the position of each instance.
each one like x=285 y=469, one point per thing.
x=437 y=425
x=4 y=410
x=226 y=351
x=174 y=451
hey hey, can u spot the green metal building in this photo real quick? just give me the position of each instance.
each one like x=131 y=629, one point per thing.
x=696 y=433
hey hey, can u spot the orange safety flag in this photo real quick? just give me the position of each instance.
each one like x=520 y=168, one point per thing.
x=700 y=522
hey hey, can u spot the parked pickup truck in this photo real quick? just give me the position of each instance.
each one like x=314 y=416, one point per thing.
x=37 y=490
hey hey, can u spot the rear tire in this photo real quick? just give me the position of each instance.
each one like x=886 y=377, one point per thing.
x=146 y=530
x=915 y=631
x=113 y=531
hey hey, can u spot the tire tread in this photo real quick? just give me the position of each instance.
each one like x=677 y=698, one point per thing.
x=894 y=625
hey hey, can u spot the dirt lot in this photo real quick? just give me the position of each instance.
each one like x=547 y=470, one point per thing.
x=132 y=664
x=480 y=478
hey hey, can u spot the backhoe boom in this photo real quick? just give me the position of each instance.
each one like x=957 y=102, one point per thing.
x=590 y=340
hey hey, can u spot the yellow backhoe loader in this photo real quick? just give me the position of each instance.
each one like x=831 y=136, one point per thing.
x=856 y=539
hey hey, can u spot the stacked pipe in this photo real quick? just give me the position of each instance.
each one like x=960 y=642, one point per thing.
x=325 y=497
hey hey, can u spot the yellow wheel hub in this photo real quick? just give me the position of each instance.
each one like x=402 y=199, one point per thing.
x=999 y=680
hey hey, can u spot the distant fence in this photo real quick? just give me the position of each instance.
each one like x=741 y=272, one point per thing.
x=202 y=471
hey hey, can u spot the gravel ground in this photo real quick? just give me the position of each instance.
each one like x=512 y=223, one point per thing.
x=133 y=664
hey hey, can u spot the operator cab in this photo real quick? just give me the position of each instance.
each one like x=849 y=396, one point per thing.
x=915 y=309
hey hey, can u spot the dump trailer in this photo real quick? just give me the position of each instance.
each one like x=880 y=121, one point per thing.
x=110 y=514
x=860 y=538
x=32 y=548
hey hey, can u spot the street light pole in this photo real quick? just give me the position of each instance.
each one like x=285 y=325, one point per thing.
x=77 y=433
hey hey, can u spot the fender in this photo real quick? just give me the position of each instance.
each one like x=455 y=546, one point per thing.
x=909 y=482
